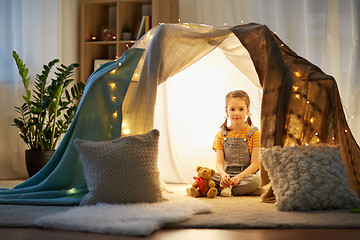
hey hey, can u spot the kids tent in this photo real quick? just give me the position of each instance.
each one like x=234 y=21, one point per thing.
x=300 y=104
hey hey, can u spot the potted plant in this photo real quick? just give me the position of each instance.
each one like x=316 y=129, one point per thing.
x=47 y=110
x=126 y=33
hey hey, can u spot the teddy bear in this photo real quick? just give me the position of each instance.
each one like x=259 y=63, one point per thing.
x=203 y=186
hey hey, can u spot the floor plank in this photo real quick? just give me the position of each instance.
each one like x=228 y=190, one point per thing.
x=187 y=234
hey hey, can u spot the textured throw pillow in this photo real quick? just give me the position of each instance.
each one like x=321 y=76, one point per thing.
x=123 y=170
x=308 y=178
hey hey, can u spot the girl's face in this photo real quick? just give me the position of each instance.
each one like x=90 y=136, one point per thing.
x=237 y=110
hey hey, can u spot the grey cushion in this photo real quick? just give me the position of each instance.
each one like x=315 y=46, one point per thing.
x=123 y=170
x=308 y=178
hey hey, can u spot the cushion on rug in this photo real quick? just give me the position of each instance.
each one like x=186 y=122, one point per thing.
x=308 y=178
x=123 y=170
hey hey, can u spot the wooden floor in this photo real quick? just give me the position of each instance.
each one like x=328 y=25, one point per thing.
x=187 y=234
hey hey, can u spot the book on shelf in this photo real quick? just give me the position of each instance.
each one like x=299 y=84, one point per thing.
x=144 y=26
x=137 y=29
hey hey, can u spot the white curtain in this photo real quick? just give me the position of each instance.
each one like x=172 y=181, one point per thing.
x=325 y=32
x=39 y=31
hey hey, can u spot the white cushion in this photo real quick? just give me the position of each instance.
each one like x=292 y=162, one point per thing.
x=308 y=178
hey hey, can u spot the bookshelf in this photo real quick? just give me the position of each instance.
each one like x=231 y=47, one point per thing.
x=103 y=21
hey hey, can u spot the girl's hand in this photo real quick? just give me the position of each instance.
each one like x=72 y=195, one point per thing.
x=225 y=180
x=234 y=181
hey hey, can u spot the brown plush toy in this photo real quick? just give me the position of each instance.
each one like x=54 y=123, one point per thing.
x=203 y=186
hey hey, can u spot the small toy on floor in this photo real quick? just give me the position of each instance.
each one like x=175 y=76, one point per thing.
x=226 y=192
x=203 y=186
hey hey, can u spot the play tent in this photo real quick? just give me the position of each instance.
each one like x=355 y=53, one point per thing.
x=300 y=104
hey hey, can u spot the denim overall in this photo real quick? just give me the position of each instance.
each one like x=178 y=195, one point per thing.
x=236 y=159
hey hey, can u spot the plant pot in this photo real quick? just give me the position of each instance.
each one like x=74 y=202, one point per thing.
x=36 y=160
x=126 y=36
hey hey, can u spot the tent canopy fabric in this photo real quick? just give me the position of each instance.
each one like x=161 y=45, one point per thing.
x=300 y=104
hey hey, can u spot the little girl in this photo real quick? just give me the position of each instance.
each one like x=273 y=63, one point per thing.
x=237 y=148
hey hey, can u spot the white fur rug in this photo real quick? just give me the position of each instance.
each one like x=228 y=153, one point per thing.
x=126 y=219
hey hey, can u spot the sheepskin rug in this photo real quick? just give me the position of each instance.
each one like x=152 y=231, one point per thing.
x=125 y=219
x=308 y=178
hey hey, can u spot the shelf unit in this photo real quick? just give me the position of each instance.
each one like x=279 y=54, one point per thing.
x=97 y=15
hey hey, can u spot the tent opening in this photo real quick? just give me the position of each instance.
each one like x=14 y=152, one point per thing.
x=190 y=107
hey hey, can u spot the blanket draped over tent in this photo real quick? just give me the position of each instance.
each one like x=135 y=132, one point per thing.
x=300 y=104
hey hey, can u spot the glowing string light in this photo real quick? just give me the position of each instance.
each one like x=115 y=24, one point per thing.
x=115 y=114
x=72 y=190
x=312 y=120
x=297 y=74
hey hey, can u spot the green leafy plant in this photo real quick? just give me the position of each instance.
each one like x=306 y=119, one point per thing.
x=126 y=28
x=49 y=108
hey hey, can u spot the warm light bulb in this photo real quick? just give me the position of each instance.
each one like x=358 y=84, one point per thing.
x=113 y=71
x=346 y=130
x=112 y=85
x=295 y=88
x=115 y=114
x=297 y=74
x=307 y=101
x=312 y=120
x=114 y=99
